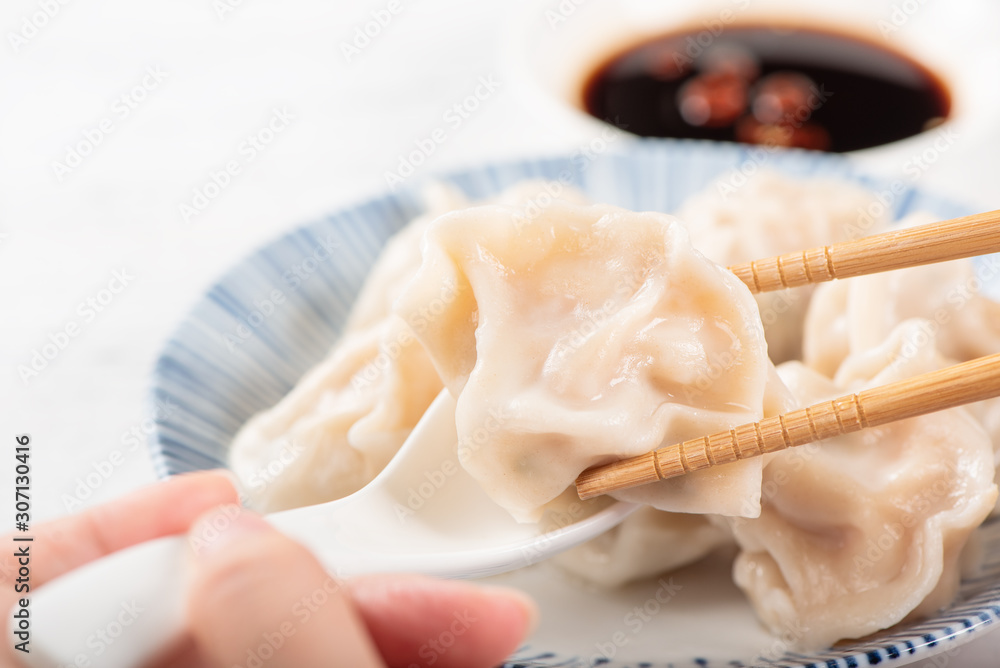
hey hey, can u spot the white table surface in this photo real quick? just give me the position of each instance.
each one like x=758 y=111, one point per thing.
x=221 y=76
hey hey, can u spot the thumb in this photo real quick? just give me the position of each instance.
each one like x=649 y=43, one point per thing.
x=259 y=598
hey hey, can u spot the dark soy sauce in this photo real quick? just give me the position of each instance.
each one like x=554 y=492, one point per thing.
x=765 y=85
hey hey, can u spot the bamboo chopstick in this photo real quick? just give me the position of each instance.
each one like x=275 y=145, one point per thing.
x=897 y=249
x=949 y=387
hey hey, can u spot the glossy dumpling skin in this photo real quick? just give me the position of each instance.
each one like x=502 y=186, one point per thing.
x=771 y=214
x=647 y=543
x=865 y=530
x=583 y=335
x=651 y=541
x=853 y=316
x=847 y=318
x=343 y=422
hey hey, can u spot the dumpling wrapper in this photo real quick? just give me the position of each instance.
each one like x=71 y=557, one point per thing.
x=343 y=422
x=647 y=543
x=865 y=530
x=852 y=317
x=848 y=317
x=583 y=335
x=650 y=541
x=771 y=214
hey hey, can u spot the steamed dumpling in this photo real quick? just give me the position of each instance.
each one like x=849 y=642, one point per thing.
x=584 y=335
x=769 y=215
x=865 y=530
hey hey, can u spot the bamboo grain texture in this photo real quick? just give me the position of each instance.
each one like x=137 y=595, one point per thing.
x=949 y=387
x=898 y=249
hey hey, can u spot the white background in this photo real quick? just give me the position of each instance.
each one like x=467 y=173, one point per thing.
x=226 y=69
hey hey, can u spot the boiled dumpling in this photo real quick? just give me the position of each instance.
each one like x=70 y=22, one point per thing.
x=585 y=335
x=399 y=260
x=772 y=214
x=851 y=317
x=769 y=215
x=652 y=541
x=340 y=425
x=346 y=418
x=854 y=316
x=575 y=335
x=343 y=422
x=863 y=531
x=647 y=543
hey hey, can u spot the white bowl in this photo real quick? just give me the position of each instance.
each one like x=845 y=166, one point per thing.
x=550 y=47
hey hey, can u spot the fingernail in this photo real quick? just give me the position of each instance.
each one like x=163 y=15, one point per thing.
x=233 y=480
x=222 y=473
x=522 y=600
x=217 y=529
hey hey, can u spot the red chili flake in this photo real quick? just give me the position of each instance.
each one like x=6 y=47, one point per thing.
x=808 y=135
x=713 y=99
x=784 y=98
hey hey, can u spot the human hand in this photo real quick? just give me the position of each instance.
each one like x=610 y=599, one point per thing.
x=258 y=598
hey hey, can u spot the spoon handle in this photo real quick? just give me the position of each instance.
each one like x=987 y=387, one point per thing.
x=117 y=612
x=125 y=609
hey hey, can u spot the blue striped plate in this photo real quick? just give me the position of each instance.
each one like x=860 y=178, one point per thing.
x=274 y=315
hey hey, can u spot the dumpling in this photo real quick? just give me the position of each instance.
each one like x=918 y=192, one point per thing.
x=772 y=214
x=648 y=542
x=582 y=336
x=652 y=541
x=847 y=318
x=343 y=422
x=865 y=530
x=854 y=316
x=399 y=260
x=340 y=425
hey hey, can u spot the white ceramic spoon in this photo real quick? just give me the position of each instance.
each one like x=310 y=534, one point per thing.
x=422 y=514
